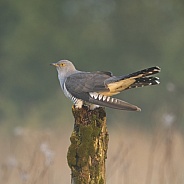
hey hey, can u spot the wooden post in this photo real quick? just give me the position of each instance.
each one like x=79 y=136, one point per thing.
x=88 y=150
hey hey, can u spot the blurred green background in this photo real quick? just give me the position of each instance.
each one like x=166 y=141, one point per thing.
x=121 y=36
x=113 y=35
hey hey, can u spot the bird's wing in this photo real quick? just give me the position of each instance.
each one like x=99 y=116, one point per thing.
x=90 y=88
x=87 y=82
x=108 y=101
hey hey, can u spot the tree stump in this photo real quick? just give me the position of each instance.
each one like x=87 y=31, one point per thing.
x=88 y=150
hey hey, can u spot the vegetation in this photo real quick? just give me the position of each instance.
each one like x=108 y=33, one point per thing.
x=39 y=156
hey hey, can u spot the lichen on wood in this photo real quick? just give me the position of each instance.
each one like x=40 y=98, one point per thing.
x=88 y=150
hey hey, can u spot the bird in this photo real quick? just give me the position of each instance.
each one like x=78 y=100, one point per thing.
x=96 y=89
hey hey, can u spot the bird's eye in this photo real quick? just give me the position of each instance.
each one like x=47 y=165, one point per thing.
x=62 y=64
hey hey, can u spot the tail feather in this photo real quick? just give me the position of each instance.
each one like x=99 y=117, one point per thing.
x=133 y=80
x=144 y=81
x=143 y=73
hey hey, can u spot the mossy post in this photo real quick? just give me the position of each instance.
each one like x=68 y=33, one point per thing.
x=88 y=150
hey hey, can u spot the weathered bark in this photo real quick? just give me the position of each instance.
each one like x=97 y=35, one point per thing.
x=88 y=150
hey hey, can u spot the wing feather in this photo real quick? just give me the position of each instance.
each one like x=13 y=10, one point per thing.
x=87 y=82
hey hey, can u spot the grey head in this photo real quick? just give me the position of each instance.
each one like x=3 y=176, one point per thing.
x=64 y=68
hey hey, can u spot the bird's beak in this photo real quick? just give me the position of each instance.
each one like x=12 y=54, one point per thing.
x=54 y=64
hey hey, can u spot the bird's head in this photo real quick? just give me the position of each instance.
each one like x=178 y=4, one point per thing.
x=64 y=67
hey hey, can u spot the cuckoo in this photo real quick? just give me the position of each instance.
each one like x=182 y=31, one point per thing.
x=97 y=88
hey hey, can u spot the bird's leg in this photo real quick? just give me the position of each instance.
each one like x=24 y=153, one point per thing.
x=79 y=104
x=93 y=106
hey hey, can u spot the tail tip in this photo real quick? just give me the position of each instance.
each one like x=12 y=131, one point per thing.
x=157 y=69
